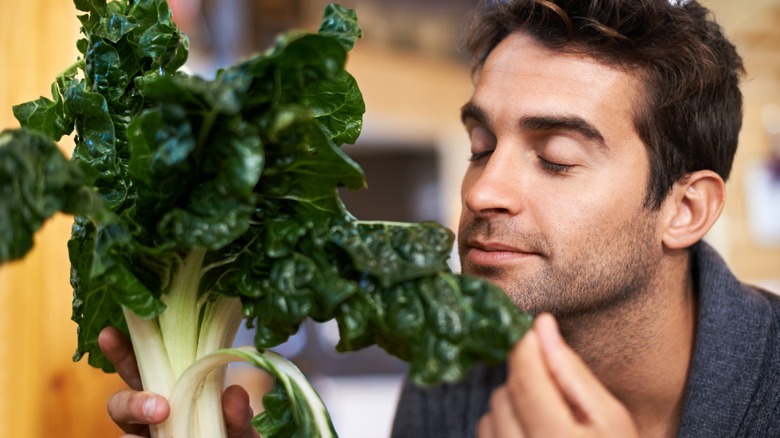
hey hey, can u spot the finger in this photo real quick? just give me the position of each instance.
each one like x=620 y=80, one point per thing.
x=237 y=412
x=535 y=397
x=119 y=350
x=500 y=421
x=485 y=427
x=133 y=410
x=584 y=392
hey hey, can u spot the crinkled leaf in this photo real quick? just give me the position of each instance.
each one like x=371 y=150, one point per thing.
x=210 y=221
x=117 y=26
x=105 y=278
x=276 y=420
x=93 y=307
x=304 y=166
x=36 y=181
x=46 y=115
x=95 y=6
x=104 y=70
x=441 y=324
x=156 y=38
x=247 y=166
x=341 y=23
x=393 y=252
x=335 y=104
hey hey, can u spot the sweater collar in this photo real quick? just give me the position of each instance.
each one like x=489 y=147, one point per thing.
x=731 y=343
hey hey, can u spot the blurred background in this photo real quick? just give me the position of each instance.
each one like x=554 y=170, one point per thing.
x=414 y=77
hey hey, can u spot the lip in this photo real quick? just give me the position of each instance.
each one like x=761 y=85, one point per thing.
x=481 y=253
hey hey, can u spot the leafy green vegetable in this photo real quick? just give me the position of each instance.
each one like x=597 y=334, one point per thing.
x=36 y=181
x=199 y=202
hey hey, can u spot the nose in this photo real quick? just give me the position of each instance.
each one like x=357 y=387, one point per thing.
x=493 y=187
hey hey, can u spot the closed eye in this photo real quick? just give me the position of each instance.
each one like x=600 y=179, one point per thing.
x=479 y=155
x=555 y=168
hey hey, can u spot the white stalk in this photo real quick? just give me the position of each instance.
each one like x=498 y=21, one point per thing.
x=301 y=394
x=153 y=364
x=179 y=321
x=221 y=320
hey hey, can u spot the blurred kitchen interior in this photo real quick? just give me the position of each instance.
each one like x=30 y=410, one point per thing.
x=414 y=77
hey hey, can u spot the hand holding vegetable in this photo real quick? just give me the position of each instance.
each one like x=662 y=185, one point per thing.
x=133 y=410
x=551 y=392
x=200 y=204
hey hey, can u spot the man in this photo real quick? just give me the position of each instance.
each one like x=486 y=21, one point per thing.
x=601 y=135
x=602 y=132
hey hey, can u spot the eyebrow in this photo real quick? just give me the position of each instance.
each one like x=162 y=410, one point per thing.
x=571 y=123
x=473 y=111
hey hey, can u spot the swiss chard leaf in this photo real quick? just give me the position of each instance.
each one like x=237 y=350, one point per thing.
x=36 y=181
x=411 y=306
x=46 y=115
x=245 y=167
x=276 y=420
x=394 y=252
x=341 y=24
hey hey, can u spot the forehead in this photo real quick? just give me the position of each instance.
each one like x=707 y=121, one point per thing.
x=520 y=77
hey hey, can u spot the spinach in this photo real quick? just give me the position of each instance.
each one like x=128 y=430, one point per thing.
x=202 y=202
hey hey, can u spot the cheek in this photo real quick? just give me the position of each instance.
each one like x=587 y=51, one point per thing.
x=578 y=215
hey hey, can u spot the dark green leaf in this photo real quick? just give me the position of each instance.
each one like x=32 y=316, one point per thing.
x=36 y=181
x=104 y=70
x=276 y=420
x=246 y=168
x=341 y=23
x=441 y=324
x=117 y=26
x=95 y=6
x=339 y=106
x=156 y=37
x=393 y=252
x=46 y=116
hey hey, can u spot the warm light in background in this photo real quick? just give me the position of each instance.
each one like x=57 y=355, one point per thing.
x=414 y=78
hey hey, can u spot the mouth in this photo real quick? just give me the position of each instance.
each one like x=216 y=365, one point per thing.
x=486 y=253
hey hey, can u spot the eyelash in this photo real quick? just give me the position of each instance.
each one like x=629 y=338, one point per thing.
x=479 y=155
x=555 y=168
x=549 y=166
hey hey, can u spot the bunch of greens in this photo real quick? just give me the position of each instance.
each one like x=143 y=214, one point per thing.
x=201 y=203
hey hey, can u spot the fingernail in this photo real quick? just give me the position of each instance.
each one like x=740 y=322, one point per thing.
x=549 y=336
x=149 y=406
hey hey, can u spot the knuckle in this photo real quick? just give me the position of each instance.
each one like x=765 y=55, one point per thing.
x=484 y=427
x=498 y=396
x=126 y=406
x=517 y=386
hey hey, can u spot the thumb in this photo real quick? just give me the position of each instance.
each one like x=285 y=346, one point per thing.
x=238 y=414
x=586 y=395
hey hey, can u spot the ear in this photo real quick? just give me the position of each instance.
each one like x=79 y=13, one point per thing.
x=692 y=207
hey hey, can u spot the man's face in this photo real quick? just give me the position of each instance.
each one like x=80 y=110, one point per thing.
x=553 y=197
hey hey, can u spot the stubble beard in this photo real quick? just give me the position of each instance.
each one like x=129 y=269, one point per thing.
x=600 y=274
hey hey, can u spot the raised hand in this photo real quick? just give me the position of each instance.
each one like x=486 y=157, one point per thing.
x=551 y=392
x=133 y=409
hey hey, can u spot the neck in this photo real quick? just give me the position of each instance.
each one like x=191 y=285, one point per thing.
x=642 y=349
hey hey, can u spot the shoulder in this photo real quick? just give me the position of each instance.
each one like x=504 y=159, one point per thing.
x=450 y=410
x=734 y=383
x=724 y=298
x=762 y=416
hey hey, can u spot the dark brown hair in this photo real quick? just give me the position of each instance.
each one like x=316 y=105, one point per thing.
x=691 y=111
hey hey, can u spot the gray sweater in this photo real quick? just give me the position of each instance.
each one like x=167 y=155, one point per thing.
x=733 y=388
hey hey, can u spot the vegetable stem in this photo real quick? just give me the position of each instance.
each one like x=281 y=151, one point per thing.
x=152 y=358
x=291 y=378
x=71 y=69
x=180 y=320
x=221 y=320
